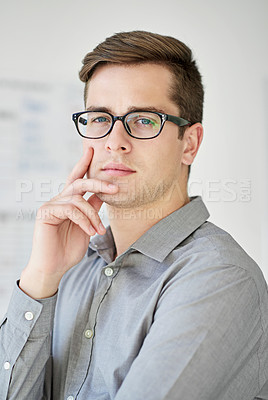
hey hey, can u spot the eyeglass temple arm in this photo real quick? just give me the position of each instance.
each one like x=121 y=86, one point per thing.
x=178 y=120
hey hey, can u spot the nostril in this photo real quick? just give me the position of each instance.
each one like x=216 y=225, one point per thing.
x=121 y=147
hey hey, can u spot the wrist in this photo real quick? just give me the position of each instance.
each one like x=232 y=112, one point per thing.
x=37 y=284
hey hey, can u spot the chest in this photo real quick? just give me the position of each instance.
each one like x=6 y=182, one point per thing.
x=100 y=328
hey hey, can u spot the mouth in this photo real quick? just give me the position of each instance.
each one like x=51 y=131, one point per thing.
x=114 y=169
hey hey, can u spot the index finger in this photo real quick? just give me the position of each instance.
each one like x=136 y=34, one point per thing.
x=81 y=167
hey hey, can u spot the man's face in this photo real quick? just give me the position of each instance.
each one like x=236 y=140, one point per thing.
x=150 y=171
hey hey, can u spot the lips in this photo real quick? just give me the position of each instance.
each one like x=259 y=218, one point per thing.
x=117 y=169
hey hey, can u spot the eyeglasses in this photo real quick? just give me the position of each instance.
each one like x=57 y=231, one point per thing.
x=138 y=124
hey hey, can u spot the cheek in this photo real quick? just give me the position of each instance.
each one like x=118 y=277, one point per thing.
x=85 y=144
x=97 y=159
x=88 y=143
x=169 y=163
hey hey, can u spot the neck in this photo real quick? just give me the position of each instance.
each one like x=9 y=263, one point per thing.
x=128 y=224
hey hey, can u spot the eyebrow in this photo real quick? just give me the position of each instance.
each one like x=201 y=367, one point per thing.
x=130 y=109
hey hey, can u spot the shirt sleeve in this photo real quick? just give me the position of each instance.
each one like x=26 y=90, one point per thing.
x=25 y=348
x=204 y=341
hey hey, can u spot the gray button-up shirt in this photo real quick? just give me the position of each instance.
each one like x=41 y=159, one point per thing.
x=181 y=315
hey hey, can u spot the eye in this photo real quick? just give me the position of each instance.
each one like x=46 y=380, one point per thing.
x=145 y=121
x=100 y=119
x=143 y=124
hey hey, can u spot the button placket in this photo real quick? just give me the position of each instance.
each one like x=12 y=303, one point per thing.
x=88 y=333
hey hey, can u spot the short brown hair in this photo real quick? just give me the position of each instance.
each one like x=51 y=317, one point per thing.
x=138 y=47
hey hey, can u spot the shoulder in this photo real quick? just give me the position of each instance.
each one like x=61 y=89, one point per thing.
x=210 y=268
x=210 y=246
x=219 y=286
x=211 y=264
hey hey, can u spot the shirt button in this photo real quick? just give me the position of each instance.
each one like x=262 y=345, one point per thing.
x=70 y=398
x=108 y=271
x=88 y=333
x=6 y=365
x=28 y=315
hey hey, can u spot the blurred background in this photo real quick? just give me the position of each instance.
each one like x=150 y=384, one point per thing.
x=41 y=48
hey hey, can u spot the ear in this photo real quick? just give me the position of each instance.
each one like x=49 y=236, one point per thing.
x=192 y=139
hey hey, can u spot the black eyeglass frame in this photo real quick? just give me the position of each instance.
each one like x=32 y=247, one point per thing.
x=164 y=117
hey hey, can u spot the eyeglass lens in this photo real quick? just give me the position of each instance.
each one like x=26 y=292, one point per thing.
x=96 y=124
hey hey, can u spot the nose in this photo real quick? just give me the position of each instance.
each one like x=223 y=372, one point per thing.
x=118 y=139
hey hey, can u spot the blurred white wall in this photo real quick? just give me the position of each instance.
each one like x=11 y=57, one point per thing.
x=45 y=42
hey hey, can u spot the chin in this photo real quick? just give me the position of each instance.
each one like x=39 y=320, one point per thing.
x=112 y=199
x=121 y=201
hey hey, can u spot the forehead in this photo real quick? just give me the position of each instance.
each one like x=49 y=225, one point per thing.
x=130 y=85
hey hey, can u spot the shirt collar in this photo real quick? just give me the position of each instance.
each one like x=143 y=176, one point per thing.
x=162 y=237
x=104 y=245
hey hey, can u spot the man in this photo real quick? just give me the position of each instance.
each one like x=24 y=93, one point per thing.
x=160 y=305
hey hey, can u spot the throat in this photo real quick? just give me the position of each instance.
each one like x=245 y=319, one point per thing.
x=128 y=225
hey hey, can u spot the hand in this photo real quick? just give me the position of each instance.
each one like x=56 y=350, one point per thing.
x=62 y=231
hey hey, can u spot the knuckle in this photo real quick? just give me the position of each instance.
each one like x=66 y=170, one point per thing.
x=44 y=212
x=69 y=207
x=76 y=199
x=91 y=214
x=71 y=212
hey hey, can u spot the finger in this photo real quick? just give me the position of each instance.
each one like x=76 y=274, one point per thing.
x=81 y=167
x=82 y=186
x=92 y=214
x=55 y=214
x=95 y=201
